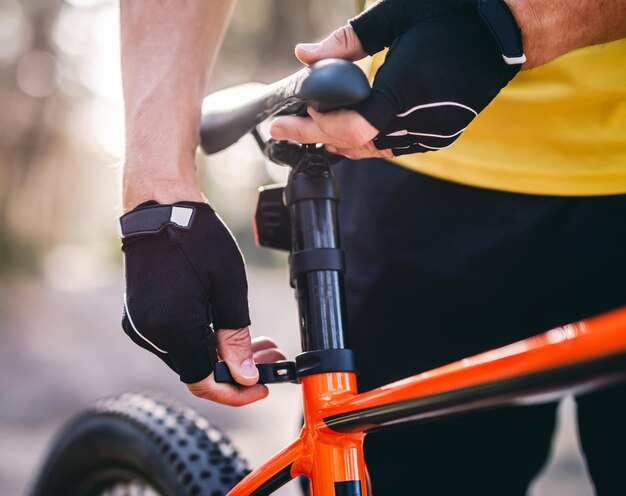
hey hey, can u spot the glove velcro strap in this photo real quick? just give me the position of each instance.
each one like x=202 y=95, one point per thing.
x=150 y=220
x=501 y=22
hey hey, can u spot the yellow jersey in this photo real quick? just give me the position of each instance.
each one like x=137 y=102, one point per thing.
x=559 y=129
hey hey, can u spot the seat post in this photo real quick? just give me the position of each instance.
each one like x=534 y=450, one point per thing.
x=316 y=261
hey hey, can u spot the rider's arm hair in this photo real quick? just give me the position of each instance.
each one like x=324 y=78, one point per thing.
x=551 y=28
x=167 y=48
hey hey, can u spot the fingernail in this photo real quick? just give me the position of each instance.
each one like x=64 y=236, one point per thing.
x=309 y=47
x=248 y=369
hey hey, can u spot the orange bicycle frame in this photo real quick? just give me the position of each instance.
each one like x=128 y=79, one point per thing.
x=329 y=450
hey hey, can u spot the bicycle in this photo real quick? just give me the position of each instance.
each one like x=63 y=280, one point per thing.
x=138 y=445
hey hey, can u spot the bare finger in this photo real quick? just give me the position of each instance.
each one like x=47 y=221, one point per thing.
x=343 y=43
x=366 y=151
x=348 y=128
x=235 y=347
x=298 y=129
x=263 y=342
x=227 y=394
x=270 y=355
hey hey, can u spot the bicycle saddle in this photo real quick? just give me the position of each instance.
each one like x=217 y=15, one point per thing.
x=327 y=85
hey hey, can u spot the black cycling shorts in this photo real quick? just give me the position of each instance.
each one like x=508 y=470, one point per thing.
x=437 y=271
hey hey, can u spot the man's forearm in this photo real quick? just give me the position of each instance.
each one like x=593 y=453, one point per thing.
x=551 y=28
x=168 y=48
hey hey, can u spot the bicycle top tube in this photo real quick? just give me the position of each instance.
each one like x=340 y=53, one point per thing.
x=327 y=85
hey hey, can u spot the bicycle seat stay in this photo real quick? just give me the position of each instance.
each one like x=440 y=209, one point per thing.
x=327 y=85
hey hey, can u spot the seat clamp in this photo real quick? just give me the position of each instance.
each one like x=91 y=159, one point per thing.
x=316 y=259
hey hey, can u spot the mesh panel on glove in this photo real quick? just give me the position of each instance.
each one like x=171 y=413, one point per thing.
x=178 y=283
x=443 y=68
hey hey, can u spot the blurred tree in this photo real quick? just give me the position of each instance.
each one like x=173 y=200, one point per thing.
x=28 y=97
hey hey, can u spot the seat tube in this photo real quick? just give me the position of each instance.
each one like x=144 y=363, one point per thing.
x=312 y=195
x=333 y=461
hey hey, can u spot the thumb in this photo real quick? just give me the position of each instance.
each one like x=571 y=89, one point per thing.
x=341 y=44
x=234 y=346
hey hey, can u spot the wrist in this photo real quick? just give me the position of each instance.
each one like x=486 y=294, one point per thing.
x=138 y=186
x=544 y=35
x=531 y=19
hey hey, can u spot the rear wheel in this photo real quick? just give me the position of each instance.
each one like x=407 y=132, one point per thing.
x=137 y=445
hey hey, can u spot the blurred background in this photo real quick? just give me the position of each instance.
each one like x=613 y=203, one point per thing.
x=61 y=141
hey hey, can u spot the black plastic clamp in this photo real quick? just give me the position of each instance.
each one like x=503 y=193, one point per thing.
x=269 y=373
x=316 y=259
x=307 y=363
x=320 y=361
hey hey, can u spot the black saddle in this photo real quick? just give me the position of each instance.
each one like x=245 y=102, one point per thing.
x=327 y=85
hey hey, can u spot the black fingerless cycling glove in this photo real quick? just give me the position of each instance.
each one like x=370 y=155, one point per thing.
x=448 y=59
x=184 y=276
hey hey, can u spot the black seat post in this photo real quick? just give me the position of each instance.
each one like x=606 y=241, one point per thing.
x=316 y=261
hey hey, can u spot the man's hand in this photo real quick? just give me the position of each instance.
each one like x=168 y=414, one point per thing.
x=447 y=61
x=234 y=347
x=185 y=276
